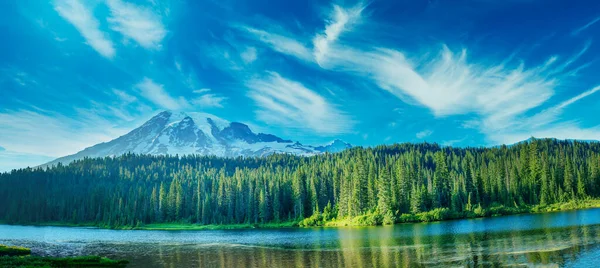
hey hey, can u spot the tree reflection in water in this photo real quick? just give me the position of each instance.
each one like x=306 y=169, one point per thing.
x=381 y=247
x=563 y=239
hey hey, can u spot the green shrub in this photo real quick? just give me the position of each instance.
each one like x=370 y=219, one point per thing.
x=407 y=217
x=320 y=219
x=500 y=210
x=316 y=219
x=479 y=211
x=389 y=218
x=438 y=214
x=368 y=219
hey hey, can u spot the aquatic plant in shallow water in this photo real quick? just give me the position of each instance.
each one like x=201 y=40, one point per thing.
x=13 y=251
x=15 y=256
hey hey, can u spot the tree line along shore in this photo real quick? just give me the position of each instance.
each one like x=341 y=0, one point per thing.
x=360 y=186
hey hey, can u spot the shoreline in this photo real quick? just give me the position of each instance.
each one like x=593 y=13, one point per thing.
x=348 y=222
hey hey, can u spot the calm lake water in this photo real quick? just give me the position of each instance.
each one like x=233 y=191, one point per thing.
x=563 y=239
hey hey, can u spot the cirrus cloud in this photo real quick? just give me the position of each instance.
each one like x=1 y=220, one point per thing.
x=136 y=22
x=449 y=82
x=82 y=17
x=160 y=97
x=424 y=134
x=292 y=105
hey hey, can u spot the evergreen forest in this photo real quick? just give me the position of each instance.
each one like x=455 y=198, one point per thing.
x=367 y=186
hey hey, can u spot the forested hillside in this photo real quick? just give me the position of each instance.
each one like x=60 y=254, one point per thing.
x=387 y=184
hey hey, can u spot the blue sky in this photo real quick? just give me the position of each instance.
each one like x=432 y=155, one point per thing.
x=74 y=73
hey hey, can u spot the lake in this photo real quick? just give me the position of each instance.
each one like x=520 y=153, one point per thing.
x=561 y=239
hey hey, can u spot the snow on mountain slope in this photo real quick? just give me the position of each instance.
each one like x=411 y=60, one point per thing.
x=198 y=133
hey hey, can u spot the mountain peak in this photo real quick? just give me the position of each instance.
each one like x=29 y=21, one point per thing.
x=340 y=142
x=164 y=115
x=335 y=146
x=183 y=133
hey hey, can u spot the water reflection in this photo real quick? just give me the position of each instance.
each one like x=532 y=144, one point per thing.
x=380 y=247
x=570 y=239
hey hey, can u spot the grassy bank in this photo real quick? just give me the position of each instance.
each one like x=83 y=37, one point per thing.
x=12 y=256
x=184 y=226
x=369 y=219
x=174 y=226
x=441 y=214
x=573 y=205
x=54 y=223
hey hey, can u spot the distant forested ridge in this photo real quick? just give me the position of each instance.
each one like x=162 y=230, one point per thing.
x=388 y=183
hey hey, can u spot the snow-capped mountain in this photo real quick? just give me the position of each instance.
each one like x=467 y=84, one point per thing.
x=198 y=133
x=334 y=147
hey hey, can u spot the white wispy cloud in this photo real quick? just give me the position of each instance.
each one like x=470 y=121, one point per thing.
x=33 y=133
x=290 y=104
x=207 y=100
x=570 y=61
x=224 y=58
x=187 y=76
x=281 y=43
x=547 y=124
x=34 y=136
x=424 y=134
x=202 y=90
x=561 y=130
x=341 y=20
x=584 y=27
x=448 y=82
x=249 y=55
x=501 y=94
x=124 y=106
x=137 y=22
x=82 y=17
x=156 y=93
x=124 y=96
x=62 y=134
x=10 y=160
x=570 y=101
x=204 y=97
x=17 y=76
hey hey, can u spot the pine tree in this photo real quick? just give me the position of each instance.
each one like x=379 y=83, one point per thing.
x=416 y=200
x=384 y=192
x=545 y=196
x=162 y=201
x=581 y=193
x=440 y=177
x=299 y=194
x=569 y=180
